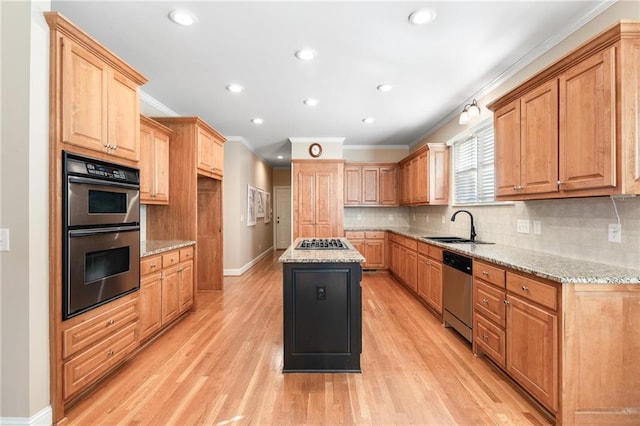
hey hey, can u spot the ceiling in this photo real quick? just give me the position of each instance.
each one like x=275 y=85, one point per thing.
x=434 y=69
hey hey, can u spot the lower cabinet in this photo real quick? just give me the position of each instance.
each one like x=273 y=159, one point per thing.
x=404 y=260
x=430 y=275
x=372 y=245
x=166 y=289
x=96 y=342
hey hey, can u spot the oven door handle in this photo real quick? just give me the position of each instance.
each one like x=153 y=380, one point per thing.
x=90 y=181
x=98 y=231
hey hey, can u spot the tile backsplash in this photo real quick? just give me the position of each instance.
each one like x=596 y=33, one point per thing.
x=575 y=228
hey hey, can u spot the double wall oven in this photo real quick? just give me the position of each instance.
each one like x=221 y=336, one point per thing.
x=101 y=246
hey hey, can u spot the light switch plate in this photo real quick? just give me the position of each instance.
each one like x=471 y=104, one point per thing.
x=4 y=239
x=615 y=233
x=522 y=226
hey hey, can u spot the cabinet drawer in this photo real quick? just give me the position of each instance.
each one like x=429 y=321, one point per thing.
x=489 y=273
x=435 y=253
x=92 y=364
x=171 y=258
x=490 y=339
x=423 y=248
x=186 y=254
x=89 y=332
x=150 y=264
x=489 y=301
x=354 y=235
x=404 y=241
x=534 y=290
x=374 y=235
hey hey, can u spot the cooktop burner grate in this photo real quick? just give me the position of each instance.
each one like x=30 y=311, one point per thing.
x=321 y=244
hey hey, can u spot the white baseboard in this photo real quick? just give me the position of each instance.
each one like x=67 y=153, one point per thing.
x=43 y=417
x=245 y=268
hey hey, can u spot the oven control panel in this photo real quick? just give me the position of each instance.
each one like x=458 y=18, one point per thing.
x=104 y=171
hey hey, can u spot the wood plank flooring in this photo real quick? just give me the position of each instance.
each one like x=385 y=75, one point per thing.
x=223 y=365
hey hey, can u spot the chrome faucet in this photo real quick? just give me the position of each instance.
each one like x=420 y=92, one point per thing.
x=473 y=229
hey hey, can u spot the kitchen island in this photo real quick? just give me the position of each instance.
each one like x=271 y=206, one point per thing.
x=322 y=306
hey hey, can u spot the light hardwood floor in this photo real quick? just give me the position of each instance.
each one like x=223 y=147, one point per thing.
x=223 y=365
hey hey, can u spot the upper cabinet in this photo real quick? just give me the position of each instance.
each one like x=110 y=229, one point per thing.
x=154 y=162
x=210 y=152
x=94 y=95
x=572 y=130
x=424 y=176
x=370 y=184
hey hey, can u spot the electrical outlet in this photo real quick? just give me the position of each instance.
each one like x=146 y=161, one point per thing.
x=615 y=233
x=4 y=239
x=390 y=217
x=522 y=226
x=537 y=227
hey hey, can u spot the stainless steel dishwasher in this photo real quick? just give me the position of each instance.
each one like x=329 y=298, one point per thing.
x=457 y=293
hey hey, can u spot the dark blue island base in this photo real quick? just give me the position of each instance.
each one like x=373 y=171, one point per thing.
x=322 y=317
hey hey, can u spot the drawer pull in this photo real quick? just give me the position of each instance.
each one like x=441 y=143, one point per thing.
x=485 y=336
x=153 y=265
x=485 y=273
x=485 y=301
x=110 y=322
x=506 y=302
x=110 y=353
x=525 y=288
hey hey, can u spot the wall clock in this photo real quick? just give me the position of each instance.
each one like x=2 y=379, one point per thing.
x=315 y=150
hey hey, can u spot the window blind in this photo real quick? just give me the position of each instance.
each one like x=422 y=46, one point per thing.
x=474 y=175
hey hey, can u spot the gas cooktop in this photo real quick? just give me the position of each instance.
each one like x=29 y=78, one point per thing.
x=321 y=244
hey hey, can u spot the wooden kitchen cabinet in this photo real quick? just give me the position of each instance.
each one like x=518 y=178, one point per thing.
x=430 y=275
x=489 y=311
x=404 y=260
x=370 y=184
x=425 y=176
x=372 y=245
x=210 y=151
x=318 y=199
x=98 y=95
x=532 y=348
x=571 y=130
x=166 y=289
x=154 y=162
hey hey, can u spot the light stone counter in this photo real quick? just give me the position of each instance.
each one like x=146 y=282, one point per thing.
x=151 y=247
x=550 y=266
x=350 y=255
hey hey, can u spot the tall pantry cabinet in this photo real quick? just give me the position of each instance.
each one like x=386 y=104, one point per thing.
x=318 y=198
x=195 y=184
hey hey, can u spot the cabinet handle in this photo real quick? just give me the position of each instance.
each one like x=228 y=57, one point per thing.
x=485 y=301
x=114 y=147
x=525 y=288
x=506 y=302
x=485 y=336
x=110 y=352
x=153 y=265
x=559 y=182
x=110 y=322
x=485 y=273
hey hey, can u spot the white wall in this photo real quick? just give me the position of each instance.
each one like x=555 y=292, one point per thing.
x=23 y=209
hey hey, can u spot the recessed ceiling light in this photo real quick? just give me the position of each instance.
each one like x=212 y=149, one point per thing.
x=422 y=16
x=384 y=87
x=280 y=157
x=368 y=120
x=182 y=17
x=235 y=88
x=257 y=120
x=305 y=54
x=311 y=102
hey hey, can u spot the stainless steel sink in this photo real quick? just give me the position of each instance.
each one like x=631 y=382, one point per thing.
x=456 y=240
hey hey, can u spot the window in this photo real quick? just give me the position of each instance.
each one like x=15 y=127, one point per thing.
x=474 y=177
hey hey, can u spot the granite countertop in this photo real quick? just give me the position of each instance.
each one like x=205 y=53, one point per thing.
x=350 y=255
x=550 y=266
x=151 y=247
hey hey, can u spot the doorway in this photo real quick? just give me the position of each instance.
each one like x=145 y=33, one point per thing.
x=282 y=210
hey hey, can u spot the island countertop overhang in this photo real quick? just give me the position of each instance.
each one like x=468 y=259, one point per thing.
x=348 y=255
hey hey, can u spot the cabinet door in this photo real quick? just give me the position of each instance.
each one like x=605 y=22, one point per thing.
x=161 y=165
x=389 y=186
x=306 y=220
x=506 y=122
x=375 y=254
x=435 y=286
x=438 y=175
x=532 y=349
x=370 y=185
x=352 y=185
x=150 y=305
x=420 y=179
x=394 y=258
x=587 y=124
x=124 y=117
x=405 y=187
x=323 y=205
x=147 y=164
x=218 y=157
x=84 y=98
x=423 y=278
x=411 y=269
x=205 y=151
x=185 y=298
x=170 y=291
x=539 y=140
